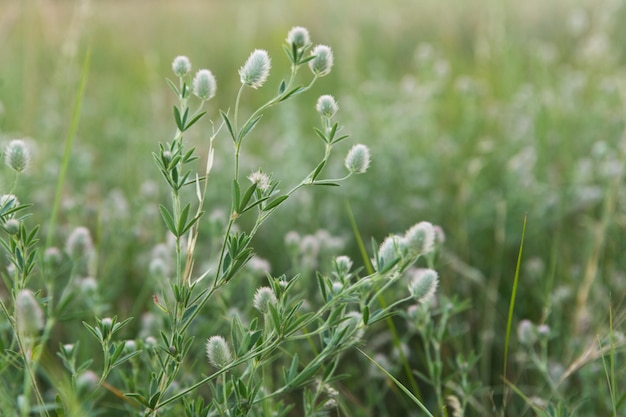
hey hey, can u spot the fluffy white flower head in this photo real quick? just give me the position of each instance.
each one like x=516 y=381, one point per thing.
x=255 y=71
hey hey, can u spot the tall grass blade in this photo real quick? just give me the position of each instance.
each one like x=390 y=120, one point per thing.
x=399 y=385
x=509 y=322
x=69 y=140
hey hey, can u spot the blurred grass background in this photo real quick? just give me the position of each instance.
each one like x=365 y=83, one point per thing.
x=477 y=113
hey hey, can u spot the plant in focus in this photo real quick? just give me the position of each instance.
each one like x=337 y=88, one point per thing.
x=288 y=343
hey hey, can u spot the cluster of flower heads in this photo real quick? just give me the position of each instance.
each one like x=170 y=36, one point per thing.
x=420 y=239
x=203 y=84
x=257 y=67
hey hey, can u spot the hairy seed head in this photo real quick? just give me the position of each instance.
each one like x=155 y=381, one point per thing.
x=255 y=71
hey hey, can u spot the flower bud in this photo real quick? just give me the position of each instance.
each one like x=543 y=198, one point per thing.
x=298 y=36
x=181 y=66
x=12 y=226
x=343 y=264
x=420 y=238
x=79 y=243
x=52 y=258
x=358 y=159
x=29 y=316
x=327 y=106
x=106 y=327
x=8 y=201
x=218 y=352
x=68 y=350
x=323 y=61
x=17 y=155
x=526 y=332
x=388 y=251
x=423 y=284
x=263 y=297
x=255 y=71
x=261 y=179
x=204 y=84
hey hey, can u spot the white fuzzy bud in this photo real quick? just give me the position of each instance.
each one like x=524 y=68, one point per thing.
x=255 y=71
x=358 y=159
x=181 y=66
x=204 y=84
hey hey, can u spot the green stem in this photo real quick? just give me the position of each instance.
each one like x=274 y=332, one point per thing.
x=69 y=139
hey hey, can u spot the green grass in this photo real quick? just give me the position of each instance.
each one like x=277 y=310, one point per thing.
x=477 y=114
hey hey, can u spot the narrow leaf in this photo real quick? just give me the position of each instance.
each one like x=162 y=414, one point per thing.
x=179 y=122
x=246 y=198
x=167 y=218
x=292 y=93
x=249 y=126
x=228 y=125
x=194 y=120
x=275 y=202
x=182 y=220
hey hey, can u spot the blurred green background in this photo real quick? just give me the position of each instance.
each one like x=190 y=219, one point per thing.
x=478 y=113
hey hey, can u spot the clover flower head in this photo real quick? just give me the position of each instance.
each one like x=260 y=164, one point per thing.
x=326 y=106
x=255 y=71
x=263 y=298
x=423 y=284
x=298 y=36
x=420 y=238
x=181 y=66
x=358 y=159
x=29 y=317
x=218 y=352
x=79 y=243
x=261 y=179
x=17 y=155
x=204 y=84
x=323 y=60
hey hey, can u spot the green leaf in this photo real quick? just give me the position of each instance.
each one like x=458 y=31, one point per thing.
x=318 y=170
x=228 y=125
x=138 y=397
x=321 y=134
x=185 y=115
x=172 y=86
x=177 y=118
x=307 y=59
x=366 y=315
x=246 y=198
x=299 y=89
x=191 y=223
x=182 y=220
x=249 y=126
x=281 y=87
x=254 y=337
x=275 y=202
x=321 y=282
x=154 y=399
x=167 y=218
x=339 y=139
x=288 y=53
x=125 y=358
x=194 y=120
x=293 y=370
x=326 y=182
x=93 y=330
x=189 y=312
x=333 y=131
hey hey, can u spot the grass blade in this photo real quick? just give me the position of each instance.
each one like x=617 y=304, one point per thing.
x=69 y=140
x=399 y=385
x=509 y=322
